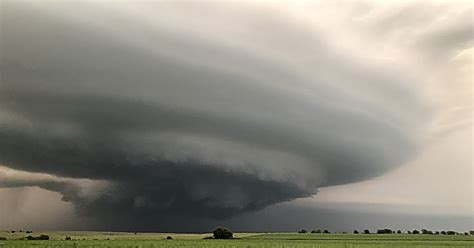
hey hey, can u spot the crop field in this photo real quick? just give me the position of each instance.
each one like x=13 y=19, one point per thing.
x=244 y=240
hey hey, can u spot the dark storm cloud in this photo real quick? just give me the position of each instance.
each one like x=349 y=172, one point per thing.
x=185 y=125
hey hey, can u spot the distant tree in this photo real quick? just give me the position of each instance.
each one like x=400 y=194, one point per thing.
x=443 y=233
x=384 y=231
x=451 y=232
x=415 y=232
x=222 y=233
x=466 y=233
x=471 y=232
x=436 y=233
x=316 y=231
x=169 y=237
x=356 y=232
x=399 y=232
x=366 y=231
x=3 y=238
x=43 y=237
x=326 y=231
x=67 y=238
x=425 y=231
x=303 y=231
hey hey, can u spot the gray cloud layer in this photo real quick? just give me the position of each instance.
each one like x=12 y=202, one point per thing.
x=185 y=122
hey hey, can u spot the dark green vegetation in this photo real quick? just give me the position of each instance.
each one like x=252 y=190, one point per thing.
x=222 y=233
x=317 y=240
x=40 y=237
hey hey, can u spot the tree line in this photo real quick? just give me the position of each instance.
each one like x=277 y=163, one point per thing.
x=390 y=231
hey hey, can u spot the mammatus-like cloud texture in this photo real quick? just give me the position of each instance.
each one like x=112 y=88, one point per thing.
x=182 y=109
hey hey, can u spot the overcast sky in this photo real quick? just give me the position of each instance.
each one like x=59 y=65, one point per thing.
x=160 y=115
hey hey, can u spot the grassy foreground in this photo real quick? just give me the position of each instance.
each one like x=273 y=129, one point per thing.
x=144 y=240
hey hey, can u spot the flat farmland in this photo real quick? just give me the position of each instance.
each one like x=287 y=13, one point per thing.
x=244 y=240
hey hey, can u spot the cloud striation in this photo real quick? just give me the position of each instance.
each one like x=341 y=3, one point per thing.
x=147 y=113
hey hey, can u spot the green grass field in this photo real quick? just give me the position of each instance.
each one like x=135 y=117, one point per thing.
x=143 y=240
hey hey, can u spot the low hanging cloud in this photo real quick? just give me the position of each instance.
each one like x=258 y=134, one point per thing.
x=173 y=110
